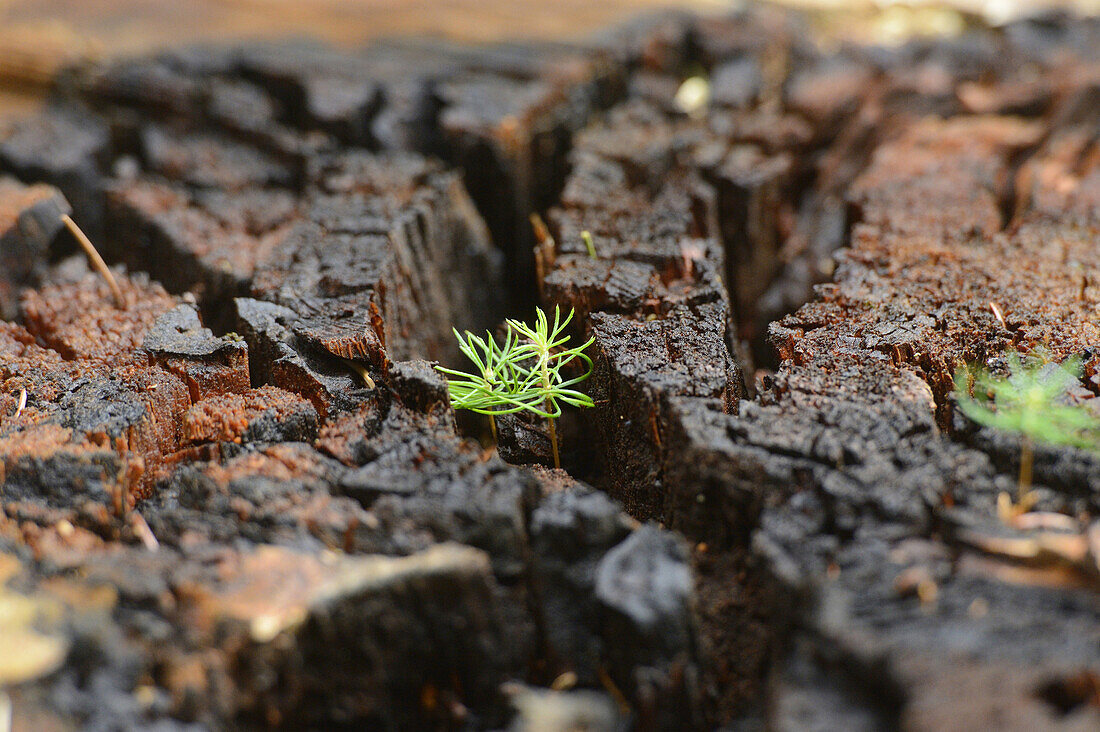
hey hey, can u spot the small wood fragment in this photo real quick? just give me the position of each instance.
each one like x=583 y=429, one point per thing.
x=564 y=681
x=22 y=403
x=143 y=532
x=998 y=315
x=545 y=250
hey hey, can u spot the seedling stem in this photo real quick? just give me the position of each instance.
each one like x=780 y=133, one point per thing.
x=1033 y=401
x=589 y=244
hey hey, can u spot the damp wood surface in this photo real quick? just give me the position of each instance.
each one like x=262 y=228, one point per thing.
x=235 y=494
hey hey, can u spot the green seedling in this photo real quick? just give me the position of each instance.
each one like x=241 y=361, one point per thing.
x=522 y=374
x=589 y=244
x=490 y=390
x=1030 y=401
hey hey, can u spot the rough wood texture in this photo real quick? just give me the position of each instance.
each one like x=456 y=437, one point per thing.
x=244 y=500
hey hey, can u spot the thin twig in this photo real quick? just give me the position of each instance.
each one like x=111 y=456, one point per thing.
x=95 y=259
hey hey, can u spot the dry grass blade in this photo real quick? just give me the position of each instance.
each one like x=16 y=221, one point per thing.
x=95 y=259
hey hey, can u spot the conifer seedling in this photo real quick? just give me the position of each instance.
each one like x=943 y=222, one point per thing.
x=522 y=374
x=1031 y=401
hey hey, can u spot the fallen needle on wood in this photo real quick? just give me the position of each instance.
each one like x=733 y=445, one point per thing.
x=95 y=259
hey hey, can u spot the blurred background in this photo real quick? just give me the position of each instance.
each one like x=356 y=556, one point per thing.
x=39 y=36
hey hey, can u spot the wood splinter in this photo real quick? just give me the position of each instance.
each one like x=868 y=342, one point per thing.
x=143 y=532
x=95 y=259
x=998 y=315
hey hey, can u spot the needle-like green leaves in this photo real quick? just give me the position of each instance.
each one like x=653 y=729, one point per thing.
x=1030 y=400
x=523 y=373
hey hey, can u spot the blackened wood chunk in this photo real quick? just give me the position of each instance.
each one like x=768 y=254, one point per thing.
x=711 y=481
x=262 y=493
x=664 y=231
x=277 y=356
x=434 y=228
x=511 y=133
x=644 y=587
x=659 y=42
x=828 y=93
x=821 y=229
x=79 y=414
x=1025 y=97
x=241 y=106
x=524 y=439
x=154 y=85
x=415 y=472
x=209 y=161
x=736 y=83
x=751 y=188
x=180 y=332
x=67 y=148
x=384 y=426
x=596 y=179
x=20 y=352
x=571 y=530
x=103 y=406
x=392 y=256
x=589 y=285
x=658 y=90
x=332 y=281
x=1070 y=157
x=41 y=464
x=419 y=386
x=209 y=365
x=942 y=176
x=351 y=625
x=210 y=242
x=29 y=226
x=485 y=509
x=640 y=365
x=317 y=87
x=774 y=131
x=637 y=136
x=756 y=31
x=107 y=393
